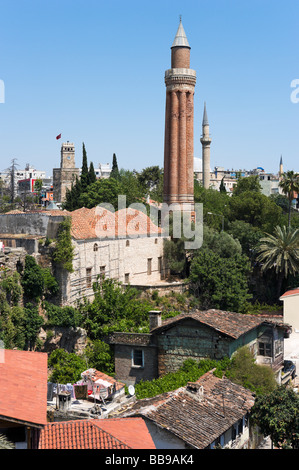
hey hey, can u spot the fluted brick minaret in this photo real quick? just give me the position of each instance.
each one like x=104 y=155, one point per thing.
x=178 y=150
x=206 y=143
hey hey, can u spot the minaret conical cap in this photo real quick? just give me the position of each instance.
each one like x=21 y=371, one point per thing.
x=180 y=39
x=205 y=121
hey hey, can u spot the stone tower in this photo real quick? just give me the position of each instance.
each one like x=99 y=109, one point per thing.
x=280 y=167
x=64 y=176
x=178 y=147
x=206 y=143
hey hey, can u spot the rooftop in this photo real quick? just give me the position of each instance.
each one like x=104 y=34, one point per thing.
x=23 y=387
x=198 y=413
x=229 y=323
x=126 y=433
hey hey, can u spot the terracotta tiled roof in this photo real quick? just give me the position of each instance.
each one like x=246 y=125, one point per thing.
x=101 y=223
x=23 y=386
x=229 y=323
x=96 y=434
x=197 y=419
x=290 y=292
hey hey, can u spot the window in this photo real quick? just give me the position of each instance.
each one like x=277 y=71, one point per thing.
x=95 y=247
x=137 y=358
x=102 y=271
x=127 y=242
x=156 y=241
x=265 y=349
x=278 y=347
x=149 y=266
x=88 y=277
x=127 y=278
x=160 y=264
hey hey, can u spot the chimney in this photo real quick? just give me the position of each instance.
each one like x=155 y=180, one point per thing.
x=155 y=319
x=195 y=389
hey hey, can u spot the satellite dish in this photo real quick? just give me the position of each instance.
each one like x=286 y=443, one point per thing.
x=131 y=390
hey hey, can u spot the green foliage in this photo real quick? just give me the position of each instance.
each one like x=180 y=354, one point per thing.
x=37 y=281
x=66 y=367
x=243 y=370
x=100 y=356
x=115 y=308
x=32 y=279
x=32 y=324
x=62 y=316
x=189 y=372
x=114 y=171
x=290 y=185
x=250 y=183
x=10 y=288
x=84 y=170
x=221 y=243
x=277 y=415
x=220 y=282
x=247 y=235
x=91 y=174
x=63 y=253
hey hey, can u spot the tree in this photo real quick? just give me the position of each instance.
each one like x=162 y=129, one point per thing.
x=256 y=209
x=114 y=308
x=63 y=253
x=100 y=192
x=249 y=183
x=222 y=187
x=247 y=235
x=33 y=322
x=84 y=172
x=277 y=415
x=66 y=367
x=290 y=184
x=91 y=174
x=114 y=171
x=280 y=252
x=244 y=371
x=220 y=282
x=32 y=279
x=100 y=356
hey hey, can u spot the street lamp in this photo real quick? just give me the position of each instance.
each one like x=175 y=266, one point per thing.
x=219 y=215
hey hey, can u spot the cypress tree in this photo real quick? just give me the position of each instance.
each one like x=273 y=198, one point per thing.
x=114 y=172
x=91 y=175
x=84 y=172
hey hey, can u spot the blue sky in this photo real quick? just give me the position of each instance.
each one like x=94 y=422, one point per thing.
x=94 y=71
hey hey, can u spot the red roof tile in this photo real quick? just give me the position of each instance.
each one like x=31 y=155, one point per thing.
x=290 y=292
x=96 y=434
x=23 y=386
x=101 y=223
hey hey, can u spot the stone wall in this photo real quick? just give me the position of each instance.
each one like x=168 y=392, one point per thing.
x=189 y=341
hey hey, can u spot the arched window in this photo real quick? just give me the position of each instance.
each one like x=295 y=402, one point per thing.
x=95 y=247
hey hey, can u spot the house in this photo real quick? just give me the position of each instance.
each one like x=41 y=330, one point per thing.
x=120 y=433
x=290 y=301
x=124 y=245
x=204 y=414
x=213 y=334
x=23 y=396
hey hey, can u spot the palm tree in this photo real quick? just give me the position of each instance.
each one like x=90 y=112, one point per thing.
x=280 y=252
x=5 y=443
x=290 y=185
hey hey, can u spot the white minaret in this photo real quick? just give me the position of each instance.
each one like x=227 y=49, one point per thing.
x=206 y=142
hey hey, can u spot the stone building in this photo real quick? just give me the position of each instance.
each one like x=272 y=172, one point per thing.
x=213 y=334
x=126 y=246
x=64 y=176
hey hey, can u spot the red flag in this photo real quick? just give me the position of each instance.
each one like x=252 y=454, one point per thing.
x=58 y=137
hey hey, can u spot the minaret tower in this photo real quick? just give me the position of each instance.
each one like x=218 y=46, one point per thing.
x=178 y=148
x=280 y=167
x=206 y=143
